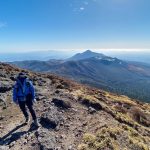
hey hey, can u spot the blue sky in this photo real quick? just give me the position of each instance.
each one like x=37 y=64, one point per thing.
x=28 y=25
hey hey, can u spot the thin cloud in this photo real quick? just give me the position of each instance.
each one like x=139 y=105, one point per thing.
x=86 y=3
x=78 y=10
x=79 y=6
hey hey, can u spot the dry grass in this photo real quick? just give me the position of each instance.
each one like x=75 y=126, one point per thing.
x=122 y=98
x=111 y=138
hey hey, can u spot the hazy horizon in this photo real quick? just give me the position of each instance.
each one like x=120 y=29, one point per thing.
x=82 y=50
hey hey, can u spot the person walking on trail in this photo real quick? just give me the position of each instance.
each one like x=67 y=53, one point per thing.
x=24 y=96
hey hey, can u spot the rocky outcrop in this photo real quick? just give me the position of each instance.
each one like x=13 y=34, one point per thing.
x=64 y=104
x=5 y=86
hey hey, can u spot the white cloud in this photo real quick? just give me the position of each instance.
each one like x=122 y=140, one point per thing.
x=82 y=8
x=3 y=24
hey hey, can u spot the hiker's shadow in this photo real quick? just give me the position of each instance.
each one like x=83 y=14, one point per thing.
x=14 y=136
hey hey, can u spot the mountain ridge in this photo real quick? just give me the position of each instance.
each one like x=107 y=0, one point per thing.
x=109 y=73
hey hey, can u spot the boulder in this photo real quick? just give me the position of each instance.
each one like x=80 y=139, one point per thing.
x=89 y=103
x=51 y=119
x=5 y=86
x=61 y=103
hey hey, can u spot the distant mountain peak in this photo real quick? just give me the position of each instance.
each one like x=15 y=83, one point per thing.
x=88 y=51
x=86 y=54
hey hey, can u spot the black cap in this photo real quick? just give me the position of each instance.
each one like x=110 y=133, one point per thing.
x=22 y=75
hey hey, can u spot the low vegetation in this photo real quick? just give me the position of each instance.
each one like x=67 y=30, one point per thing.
x=115 y=138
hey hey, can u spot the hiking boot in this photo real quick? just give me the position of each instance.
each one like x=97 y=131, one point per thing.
x=27 y=120
x=36 y=123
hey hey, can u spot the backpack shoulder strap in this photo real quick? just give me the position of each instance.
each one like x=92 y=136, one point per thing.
x=28 y=84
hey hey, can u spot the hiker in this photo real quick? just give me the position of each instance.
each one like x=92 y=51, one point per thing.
x=24 y=96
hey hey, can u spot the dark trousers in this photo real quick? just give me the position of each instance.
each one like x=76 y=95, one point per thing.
x=29 y=105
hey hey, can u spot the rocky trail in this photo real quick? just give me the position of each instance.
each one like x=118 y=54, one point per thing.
x=72 y=117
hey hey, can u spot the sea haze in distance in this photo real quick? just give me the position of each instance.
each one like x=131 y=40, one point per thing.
x=138 y=56
x=35 y=55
